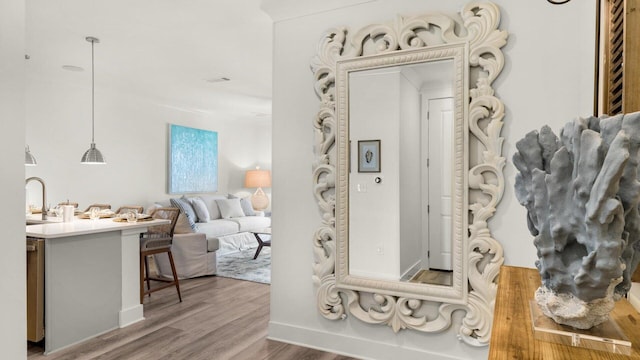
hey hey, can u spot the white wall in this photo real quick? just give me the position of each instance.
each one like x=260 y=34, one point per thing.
x=132 y=133
x=547 y=80
x=13 y=326
x=374 y=222
x=410 y=241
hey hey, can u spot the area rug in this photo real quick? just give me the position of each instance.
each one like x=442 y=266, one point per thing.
x=240 y=265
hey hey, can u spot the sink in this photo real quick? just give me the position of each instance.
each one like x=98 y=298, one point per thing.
x=36 y=219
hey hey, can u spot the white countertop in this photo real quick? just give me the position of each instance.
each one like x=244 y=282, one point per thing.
x=55 y=228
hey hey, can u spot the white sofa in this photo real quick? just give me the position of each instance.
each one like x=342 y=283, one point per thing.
x=208 y=225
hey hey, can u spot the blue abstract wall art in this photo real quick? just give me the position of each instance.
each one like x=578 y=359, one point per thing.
x=193 y=160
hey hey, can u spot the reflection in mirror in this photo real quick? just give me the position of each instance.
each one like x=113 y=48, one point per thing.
x=388 y=231
x=400 y=228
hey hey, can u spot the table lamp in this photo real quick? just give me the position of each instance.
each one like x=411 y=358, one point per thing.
x=258 y=179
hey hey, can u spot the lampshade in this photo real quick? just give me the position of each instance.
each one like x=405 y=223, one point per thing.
x=29 y=160
x=257 y=178
x=93 y=155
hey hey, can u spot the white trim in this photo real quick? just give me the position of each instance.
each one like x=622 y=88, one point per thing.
x=340 y=343
x=130 y=315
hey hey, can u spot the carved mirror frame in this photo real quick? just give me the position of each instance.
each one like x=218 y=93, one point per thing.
x=477 y=29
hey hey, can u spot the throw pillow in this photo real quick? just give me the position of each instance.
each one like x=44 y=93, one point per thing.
x=245 y=204
x=185 y=208
x=212 y=207
x=152 y=207
x=182 y=225
x=247 y=207
x=230 y=208
x=200 y=208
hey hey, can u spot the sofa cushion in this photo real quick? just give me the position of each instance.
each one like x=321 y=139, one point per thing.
x=219 y=227
x=200 y=208
x=230 y=208
x=182 y=225
x=157 y=204
x=213 y=244
x=248 y=223
x=185 y=207
x=212 y=206
x=245 y=204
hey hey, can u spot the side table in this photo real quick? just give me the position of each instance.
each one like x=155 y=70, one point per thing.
x=512 y=335
x=261 y=243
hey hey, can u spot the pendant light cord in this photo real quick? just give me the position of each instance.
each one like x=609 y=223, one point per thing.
x=92 y=95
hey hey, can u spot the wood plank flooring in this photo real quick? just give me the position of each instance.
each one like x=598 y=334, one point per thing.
x=219 y=318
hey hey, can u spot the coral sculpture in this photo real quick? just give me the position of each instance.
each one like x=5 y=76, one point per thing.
x=581 y=192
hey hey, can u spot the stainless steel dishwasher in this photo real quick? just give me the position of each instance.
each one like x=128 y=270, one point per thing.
x=35 y=289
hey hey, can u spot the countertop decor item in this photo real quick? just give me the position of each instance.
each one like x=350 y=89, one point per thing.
x=93 y=155
x=581 y=194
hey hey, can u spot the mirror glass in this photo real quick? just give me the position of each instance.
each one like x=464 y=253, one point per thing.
x=402 y=142
x=401 y=121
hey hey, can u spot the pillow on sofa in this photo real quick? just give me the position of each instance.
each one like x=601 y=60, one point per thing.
x=200 y=209
x=230 y=208
x=182 y=225
x=185 y=208
x=245 y=204
x=210 y=201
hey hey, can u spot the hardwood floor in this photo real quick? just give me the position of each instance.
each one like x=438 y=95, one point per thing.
x=219 y=318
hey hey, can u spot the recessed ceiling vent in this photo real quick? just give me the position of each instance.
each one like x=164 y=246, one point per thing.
x=72 y=68
x=218 y=79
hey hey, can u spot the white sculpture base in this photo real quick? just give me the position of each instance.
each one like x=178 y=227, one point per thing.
x=604 y=337
x=567 y=309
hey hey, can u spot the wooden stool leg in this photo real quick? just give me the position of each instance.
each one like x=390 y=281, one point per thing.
x=146 y=271
x=142 y=278
x=175 y=274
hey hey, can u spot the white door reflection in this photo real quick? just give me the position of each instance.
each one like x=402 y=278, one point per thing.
x=438 y=195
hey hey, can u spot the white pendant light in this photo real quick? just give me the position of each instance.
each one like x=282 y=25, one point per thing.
x=29 y=160
x=93 y=155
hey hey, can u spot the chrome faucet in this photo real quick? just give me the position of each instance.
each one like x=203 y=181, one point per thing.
x=44 y=195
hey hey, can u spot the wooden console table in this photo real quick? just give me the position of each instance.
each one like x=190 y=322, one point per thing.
x=512 y=335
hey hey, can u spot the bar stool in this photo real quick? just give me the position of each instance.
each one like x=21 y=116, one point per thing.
x=101 y=206
x=74 y=204
x=124 y=209
x=157 y=240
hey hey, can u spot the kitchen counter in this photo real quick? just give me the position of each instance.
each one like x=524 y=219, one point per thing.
x=92 y=277
x=53 y=227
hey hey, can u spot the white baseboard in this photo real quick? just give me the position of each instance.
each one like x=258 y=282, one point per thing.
x=131 y=315
x=344 y=345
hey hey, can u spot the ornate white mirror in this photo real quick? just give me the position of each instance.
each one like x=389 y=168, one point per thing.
x=409 y=170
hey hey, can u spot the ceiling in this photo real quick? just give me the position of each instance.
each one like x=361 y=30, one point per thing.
x=163 y=50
